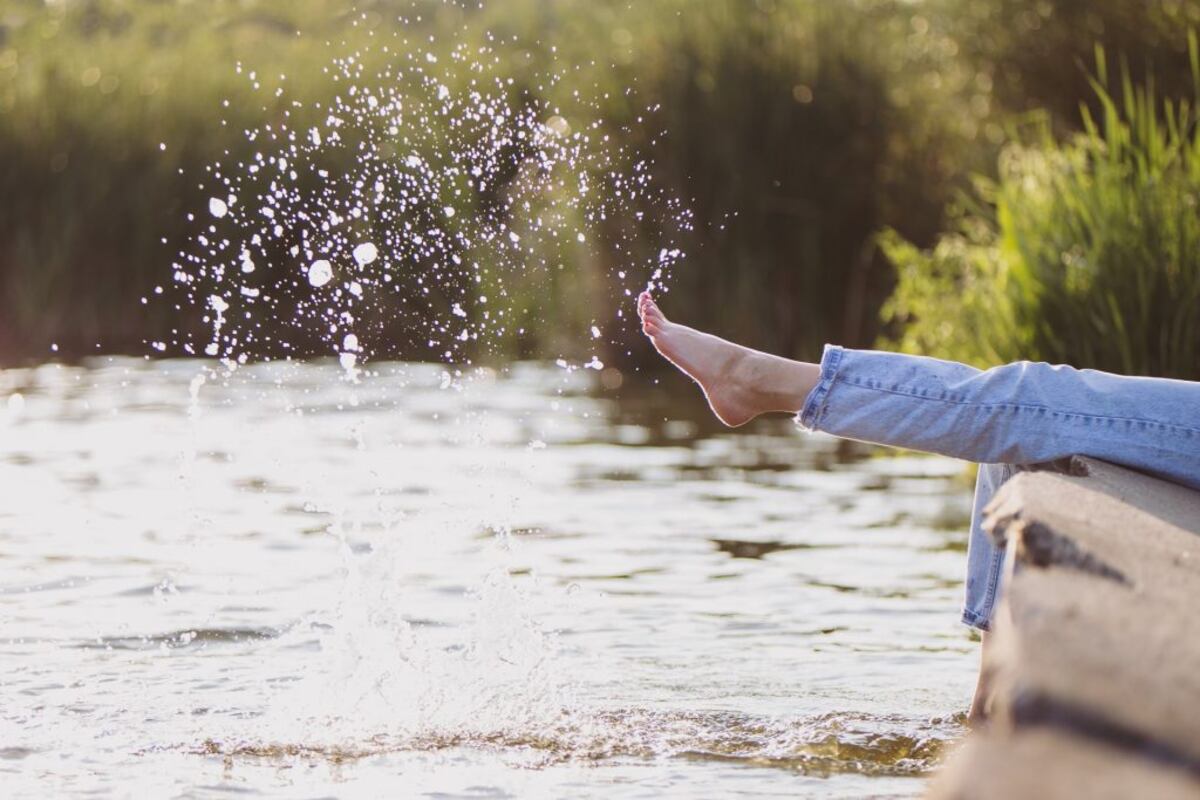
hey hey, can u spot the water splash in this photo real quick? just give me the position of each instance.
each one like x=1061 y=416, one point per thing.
x=427 y=210
x=385 y=677
x=823 y=745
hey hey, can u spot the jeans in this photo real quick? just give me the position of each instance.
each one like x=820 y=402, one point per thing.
x=1004 y=418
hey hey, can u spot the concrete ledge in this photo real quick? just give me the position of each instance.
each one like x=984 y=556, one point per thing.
x=1041 y=765
x=1095 y=658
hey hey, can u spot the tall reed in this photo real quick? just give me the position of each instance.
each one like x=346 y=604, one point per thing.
x=1085 y=252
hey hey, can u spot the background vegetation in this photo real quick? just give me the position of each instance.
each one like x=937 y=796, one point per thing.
x=798 y=130
x=1084 y=251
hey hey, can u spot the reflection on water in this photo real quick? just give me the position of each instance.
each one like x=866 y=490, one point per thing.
x=283 y=583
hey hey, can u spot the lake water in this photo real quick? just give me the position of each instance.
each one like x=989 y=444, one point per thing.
x=285 y=583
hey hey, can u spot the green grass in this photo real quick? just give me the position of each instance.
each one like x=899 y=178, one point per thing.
x=1084 y=252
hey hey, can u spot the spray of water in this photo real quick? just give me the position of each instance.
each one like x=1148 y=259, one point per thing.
x=431 y=210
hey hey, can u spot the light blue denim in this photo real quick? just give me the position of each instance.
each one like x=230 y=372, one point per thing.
x=1005 y=418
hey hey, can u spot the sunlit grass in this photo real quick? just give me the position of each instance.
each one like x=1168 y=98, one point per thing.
x=1085 y=252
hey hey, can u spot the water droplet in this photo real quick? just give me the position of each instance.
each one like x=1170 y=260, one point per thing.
x=320 y=273
x=365 y=253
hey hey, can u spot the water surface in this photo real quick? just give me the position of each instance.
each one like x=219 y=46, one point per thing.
x=284 y=583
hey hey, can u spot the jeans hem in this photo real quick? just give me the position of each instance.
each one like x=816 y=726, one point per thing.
x=976 y=621
x=814 y=405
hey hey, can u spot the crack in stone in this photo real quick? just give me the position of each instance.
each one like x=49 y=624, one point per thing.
x=1034 y=708
x=1040 y=546
x=1073 y=466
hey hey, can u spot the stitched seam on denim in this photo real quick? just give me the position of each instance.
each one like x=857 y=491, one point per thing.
x=834 y=369
x=994 y=569
x=997 y=563
x=1021 y=406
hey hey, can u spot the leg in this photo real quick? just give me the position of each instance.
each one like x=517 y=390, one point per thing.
x=1017 y=414
x=1022 y=413
x=985 y=562
x=980 y=709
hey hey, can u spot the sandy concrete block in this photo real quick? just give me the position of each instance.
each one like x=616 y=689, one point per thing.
x=1098 y=634
x=1144 y=529
x=1040 y=765
x=1095 y=655
x=1101 y=659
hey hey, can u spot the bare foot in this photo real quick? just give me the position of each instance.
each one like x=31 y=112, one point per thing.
x=739 y=383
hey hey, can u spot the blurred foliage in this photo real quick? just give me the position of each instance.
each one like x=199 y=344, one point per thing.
x=1085 y=252
x=1038 y=54
x=797 y=129
x=789 y=138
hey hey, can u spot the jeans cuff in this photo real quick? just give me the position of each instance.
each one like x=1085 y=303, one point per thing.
x=976 y=621
x=814 y=405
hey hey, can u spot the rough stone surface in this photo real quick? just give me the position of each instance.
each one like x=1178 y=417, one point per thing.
x=1044 y=766
x=1096 y=647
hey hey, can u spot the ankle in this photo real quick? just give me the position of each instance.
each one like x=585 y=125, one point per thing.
x=776 y=384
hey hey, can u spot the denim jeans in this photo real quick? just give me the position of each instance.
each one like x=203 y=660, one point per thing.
x=1005 y=418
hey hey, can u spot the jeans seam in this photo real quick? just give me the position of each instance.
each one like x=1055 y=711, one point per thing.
x=994 y=569
x=1021 y=407
x=981 y=617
